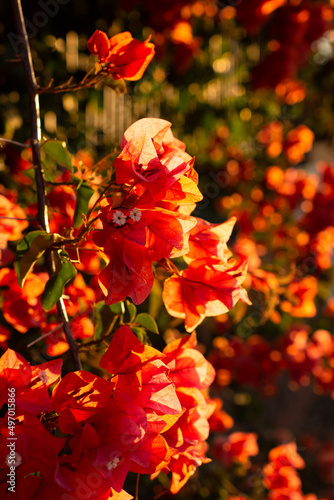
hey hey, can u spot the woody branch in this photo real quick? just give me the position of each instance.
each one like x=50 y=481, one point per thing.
x=42 y=214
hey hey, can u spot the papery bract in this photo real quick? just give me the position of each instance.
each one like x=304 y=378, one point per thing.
x=204 y=289
x=124 y=56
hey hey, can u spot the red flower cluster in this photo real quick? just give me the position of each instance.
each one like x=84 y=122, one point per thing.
x=258 y=364
x=297 y=142
x=11 y=226
x=292 y=28
x=236 y=448
x=150 y=222
x=22 y=308
x=123 y=56
x=280 y=476
x=150 y=415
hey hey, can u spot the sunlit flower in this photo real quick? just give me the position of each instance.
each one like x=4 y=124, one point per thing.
x=119 y=218
x=135 y=215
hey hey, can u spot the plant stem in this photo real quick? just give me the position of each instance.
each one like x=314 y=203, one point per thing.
x=36 y=136
x=15 y=143
x=137 y=487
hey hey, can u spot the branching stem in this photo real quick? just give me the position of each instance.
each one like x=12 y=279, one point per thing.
x=36 y=136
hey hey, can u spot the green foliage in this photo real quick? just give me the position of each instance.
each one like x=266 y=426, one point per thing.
x=140 y=334
x=57 y=151
x=132 y=310
x=84 y=194
x=29 y=250
x=145 y=320
x=54 y=288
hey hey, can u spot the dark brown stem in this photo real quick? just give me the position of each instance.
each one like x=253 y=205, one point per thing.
x=36 y=136
x=137 y=487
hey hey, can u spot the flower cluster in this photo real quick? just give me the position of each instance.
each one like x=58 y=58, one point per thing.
x=22 y=308
x=150 y=221
x=292 y=28
x=121 y=55
x=156 y=401
x=260 y=364
x=12 y=223
x=280 y=476
x=297 y=142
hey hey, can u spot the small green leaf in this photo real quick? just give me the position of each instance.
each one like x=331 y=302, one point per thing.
x=84 y=194
x=118 y=308
x=104 y=319
x=57 y=151
x=140 y=333
x=147 y=322
x=55 y=286
x=131 y=309
x=29 y=250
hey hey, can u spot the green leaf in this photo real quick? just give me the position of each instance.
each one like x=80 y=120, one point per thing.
x=29 y=250
x=131 y=309
x=147 y=322
x=84 y=194
x=140 y=333
x=57 y=151
x=104 y=318
x=118 y=308
x=55 y=286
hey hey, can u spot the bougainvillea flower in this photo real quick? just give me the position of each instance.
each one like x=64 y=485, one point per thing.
x=83 y=394
x=204 y=289
x=278 y=478
x=158 y=452
x=129 y=271
x=123 y=56
x=30 y=383
x=183 y=191
x=191 y=368
x=237 y=447
x=151 y=156
x=210 y=240
x=286 y=454
x=300 y=296
x=183 y=465
x=298 y=142
x=161 y=231
x=22 y=308
x=220 y=420
x=131 y=353
x=11 y=226
x=132 y=239
x=36 y=451
x=271 y=136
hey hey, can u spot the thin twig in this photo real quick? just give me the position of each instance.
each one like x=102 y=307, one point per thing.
x=15 y=218
x=36 y=137
x=15 y=143
x=84 y=84
x=45 y=335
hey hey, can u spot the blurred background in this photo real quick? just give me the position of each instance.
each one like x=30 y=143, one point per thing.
x=248 y=86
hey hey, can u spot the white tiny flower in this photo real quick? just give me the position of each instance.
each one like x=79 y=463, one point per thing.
x=18 y=460
x=43 y=376
x=119 y=218
x=135 y=215
x=113 y=464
